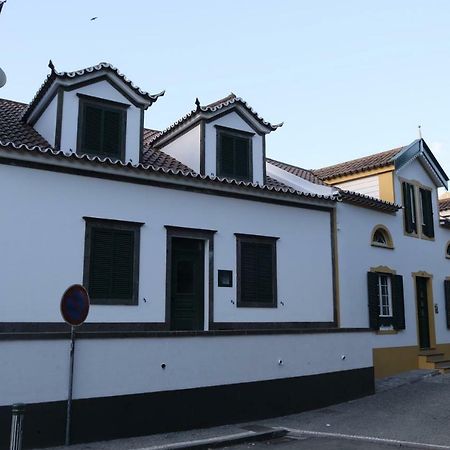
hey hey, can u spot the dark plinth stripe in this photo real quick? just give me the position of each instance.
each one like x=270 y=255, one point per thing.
x=141 y=414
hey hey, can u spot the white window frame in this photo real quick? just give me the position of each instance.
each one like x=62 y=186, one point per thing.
x=389 y=295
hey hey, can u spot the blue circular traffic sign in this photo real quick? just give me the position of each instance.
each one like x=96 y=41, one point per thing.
x=75 y=305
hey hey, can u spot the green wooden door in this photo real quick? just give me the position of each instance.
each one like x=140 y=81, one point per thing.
x=422 y=312
x=187 y=284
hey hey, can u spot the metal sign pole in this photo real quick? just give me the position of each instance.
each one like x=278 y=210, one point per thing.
x=69 y=397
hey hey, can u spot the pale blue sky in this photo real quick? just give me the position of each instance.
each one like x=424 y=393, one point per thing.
x=348 y=78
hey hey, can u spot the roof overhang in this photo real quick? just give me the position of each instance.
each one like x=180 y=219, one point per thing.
x=419 y=150
x=94 y=166
x=213 y=112
x=73 y=80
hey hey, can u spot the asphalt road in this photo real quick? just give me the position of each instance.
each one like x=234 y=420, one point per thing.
x=416 y=412
x=316 y=443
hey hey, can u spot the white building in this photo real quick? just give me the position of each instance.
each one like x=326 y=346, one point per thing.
x=224 y=285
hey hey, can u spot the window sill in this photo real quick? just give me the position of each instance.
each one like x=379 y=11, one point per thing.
x=375 y=244
x=256 y=305
x=381 y=332
x=113 y=302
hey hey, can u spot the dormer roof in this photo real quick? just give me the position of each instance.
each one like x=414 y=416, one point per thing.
x=211 y=111
x=98 y=72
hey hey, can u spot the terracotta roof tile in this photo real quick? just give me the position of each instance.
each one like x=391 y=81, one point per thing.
x=358 y=165
x=345 y=196
x=444 y=204
x=13 y=129
x=17 y=136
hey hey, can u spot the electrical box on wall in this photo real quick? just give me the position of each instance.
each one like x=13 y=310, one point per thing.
x=225 y=278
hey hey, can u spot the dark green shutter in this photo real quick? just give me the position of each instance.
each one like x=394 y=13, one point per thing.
x=398 y=302
x=226 y=163
x=102 y=131
x=447 y=301
x=374 y=303
x=410 y=226
x=92 y=129
x=112 y=132
x=111 y=266
x=257 y=273
x=427 y=213
x=249 y=272
x=123 y=262
x=265 y=273
x=100 y=268
x=241 y=157
x=234 y=157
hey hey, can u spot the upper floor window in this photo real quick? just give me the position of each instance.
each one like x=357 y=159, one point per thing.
x=101 y=127
x=381 y=237
x=418 y=210
x=409 y=208
x=426 y=212
x=234 y=154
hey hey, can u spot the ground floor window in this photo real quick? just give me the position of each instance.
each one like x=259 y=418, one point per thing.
x=256 y=271
x=386 y=303
x=111 y=263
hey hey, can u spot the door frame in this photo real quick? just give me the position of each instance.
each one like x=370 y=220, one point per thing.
x=430 y=301
x=192 y=233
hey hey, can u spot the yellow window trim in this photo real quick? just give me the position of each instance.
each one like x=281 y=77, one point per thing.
x=390 y=242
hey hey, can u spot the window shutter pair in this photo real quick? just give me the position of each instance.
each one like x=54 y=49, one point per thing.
x=409 y=208
x=234 y=156
x=102 y=131
x=111 y=264
x=447 y=301
x=398 y=306
x=427 y=213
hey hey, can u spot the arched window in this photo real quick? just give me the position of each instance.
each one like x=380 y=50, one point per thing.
x=447 y=250
x=381 y=237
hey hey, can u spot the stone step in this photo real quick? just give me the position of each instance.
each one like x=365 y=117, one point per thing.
x=430 y=352
x=444 y=364
x=436 y=358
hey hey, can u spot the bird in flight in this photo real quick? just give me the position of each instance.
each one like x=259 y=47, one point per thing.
x=2 y=2
x=94 y=18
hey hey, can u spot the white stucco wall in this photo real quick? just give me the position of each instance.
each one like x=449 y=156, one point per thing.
x=357 y=256
x=37 y=371
x=102 y=90
x=42 y=243
x=186 y=148
x=46 y=124
x=233 y=120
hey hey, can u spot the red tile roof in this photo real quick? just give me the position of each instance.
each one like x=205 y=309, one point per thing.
x=13 y=129
x=358 y=165
x=444 y=204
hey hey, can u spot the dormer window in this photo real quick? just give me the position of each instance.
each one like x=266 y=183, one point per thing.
x=101 y=127
x=234 y=154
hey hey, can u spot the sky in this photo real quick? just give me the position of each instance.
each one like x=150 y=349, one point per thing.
x=347 y=78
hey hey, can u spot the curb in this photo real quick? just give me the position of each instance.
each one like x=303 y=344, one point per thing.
x=231 y=439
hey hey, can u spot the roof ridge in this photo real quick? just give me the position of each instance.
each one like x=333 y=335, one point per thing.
x=53 y=75
x=213 y=107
